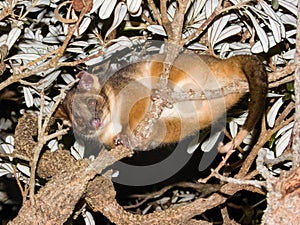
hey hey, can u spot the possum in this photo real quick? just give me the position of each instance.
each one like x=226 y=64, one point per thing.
x=107 y=112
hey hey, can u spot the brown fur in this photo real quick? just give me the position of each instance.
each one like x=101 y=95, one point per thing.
x=125 y=98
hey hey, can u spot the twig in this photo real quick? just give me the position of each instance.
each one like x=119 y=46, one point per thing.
x=240 y=181
x=216 y=171
x=43 y=137
x=52 y=62
x=263 y=170
x=264 y=137
x=14 y=155
x=153 y=8
x=218 y=10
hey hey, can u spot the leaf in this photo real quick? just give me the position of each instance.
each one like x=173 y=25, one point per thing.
x=88 y=218
x=77 y=150
x=210 y=7
x=67 y=78
x=138 y=13
x=84 y=25
x=157 y=29
x=10 y=139
x=96 y=5
x=119 y=15
x=107 y=8
x=28 y=97
x=233 y=127
x=208 y=144
x=276 y=25
x=283 y=142
x=7 y=148
x=133 y=5
x=289 y=6
x=197 y=46
x=24 y=169
x=217 y=28
x=26 y=56
x=53 y=145
x=258 y=48
x=193 y=145
x=6 y=168
x=229 y=31
x=171 y=11
x=260 y=32
x=75 y=50
x=13 y=36
x=289 y=54
x=284 y=129
x=271 y=116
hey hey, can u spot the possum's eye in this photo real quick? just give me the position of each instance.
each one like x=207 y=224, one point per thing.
x=91 y=102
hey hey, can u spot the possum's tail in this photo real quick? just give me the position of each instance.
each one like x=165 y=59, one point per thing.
x=258 y=86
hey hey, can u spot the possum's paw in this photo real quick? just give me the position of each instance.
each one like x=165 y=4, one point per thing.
x=123 y=139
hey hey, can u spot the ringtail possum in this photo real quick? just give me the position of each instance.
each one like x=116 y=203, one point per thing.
x=106 y=112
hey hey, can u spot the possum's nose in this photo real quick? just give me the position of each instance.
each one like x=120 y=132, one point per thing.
x=96 y=123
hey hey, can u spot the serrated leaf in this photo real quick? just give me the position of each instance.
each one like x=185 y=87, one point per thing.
x=208 y=144
x=271 y=116
x=119 y=14
x=133 y=5
x=28 y=97
x=24 y=169
x=106 y=8
x=13 y=36
x=263 y=38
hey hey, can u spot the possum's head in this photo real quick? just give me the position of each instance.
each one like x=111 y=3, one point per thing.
x=86 y=107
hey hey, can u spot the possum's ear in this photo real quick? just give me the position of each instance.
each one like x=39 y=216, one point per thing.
x=87 y=82
x=64 y=110
x=61 y=113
